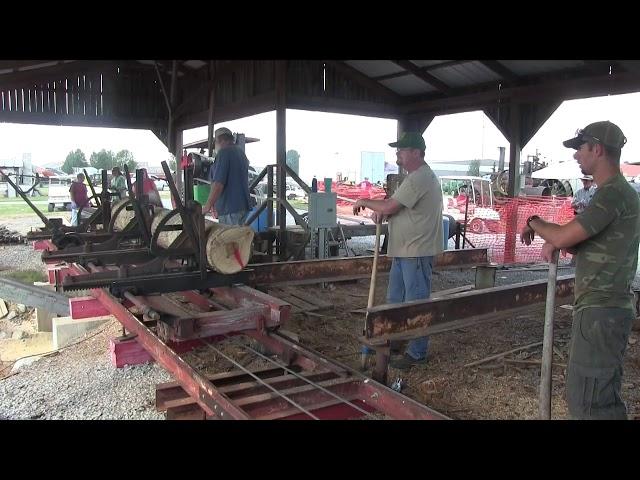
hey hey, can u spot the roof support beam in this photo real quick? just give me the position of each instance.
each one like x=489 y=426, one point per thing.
x=428 y=68
x=567 y=89
x=363 y=80
x=422 y=75
x=223 y=113
x=109 y=121
x=501 y=70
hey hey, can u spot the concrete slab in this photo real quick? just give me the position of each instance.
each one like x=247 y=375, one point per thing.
x=3 y=309
x=66 y=330
x=44 y=317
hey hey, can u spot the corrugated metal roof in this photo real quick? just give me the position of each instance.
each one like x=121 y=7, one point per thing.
x=408 y=85
x=532 y=67
x=465 y=74
x=375 y=68
x=428 y=63
x=195 y=64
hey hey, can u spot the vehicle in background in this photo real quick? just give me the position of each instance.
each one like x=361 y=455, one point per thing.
x=481 y=215
x=161 y=183
x=59 y=192
x=294 y=192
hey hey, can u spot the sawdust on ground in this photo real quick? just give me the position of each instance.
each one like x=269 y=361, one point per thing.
x=493 y=390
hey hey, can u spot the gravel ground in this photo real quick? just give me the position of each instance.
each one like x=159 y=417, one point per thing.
x=19 y=257
x=80 y=383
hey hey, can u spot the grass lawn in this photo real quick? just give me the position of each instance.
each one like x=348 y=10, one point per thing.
x=23 y=209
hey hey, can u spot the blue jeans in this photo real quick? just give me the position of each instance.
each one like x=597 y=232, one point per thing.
x=410 y=279
x=234 y=218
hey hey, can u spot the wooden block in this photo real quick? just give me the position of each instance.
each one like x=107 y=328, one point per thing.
x=127 y=351
x=43 y=245
x=86 y=307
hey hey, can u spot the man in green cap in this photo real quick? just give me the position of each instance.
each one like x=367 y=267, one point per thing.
x=415 y=234
x=604 y=239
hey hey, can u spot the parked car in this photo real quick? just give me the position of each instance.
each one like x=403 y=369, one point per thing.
x=161 y=183
x=294 y=192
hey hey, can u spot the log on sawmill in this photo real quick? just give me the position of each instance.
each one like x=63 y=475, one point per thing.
x=123 y=217
x=228 y=246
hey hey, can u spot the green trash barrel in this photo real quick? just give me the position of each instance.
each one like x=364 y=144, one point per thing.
x=201 y=193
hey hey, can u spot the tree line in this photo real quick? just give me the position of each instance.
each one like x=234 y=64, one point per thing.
x=104 y=159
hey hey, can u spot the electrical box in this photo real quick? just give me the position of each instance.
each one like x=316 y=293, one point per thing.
x=322 y=210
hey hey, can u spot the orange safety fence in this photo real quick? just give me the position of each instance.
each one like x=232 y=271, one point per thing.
x=352 y=192
x=498 y=228
x=495 y=227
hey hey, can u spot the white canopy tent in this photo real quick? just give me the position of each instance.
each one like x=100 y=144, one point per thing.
x=569 y=170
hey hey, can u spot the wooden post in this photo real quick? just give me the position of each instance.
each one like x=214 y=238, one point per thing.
x=281 y=154
x=211 y=106
x=514 y=183
x=178 y=153
x=544 y=405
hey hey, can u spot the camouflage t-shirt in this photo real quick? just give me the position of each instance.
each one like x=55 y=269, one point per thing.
x=606 y=262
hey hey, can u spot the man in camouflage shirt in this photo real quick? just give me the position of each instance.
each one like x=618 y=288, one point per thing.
x=604 y=238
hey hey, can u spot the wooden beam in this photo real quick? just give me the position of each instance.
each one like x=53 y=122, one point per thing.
x=258 y=104
x=567 y=89
x=111 y=121
x=203 y=89
x=15 y=65
x=210 y=123
x=164 y=90
x=428 y=68
x=501 y=70
x=281 y=153
x=422 y=75
x=351 y=107
x=363 y=80
x=24 y=79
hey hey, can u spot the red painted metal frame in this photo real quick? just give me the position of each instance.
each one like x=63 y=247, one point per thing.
x=211 y=403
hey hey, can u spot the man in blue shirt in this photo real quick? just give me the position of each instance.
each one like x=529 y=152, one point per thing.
x=229 y=178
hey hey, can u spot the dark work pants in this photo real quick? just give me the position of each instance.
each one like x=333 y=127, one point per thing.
x=594 y=372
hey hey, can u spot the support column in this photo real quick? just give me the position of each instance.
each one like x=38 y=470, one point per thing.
x=177 y=141
x=515 y=142
x=281 y=154
x=211 y=106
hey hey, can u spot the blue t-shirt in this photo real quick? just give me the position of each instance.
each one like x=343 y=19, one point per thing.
x=231 y=168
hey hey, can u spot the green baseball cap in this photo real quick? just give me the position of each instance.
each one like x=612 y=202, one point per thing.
x=606 y=133
x=410 y=140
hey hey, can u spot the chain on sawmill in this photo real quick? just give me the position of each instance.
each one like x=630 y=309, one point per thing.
x=284 y=367
x=292 y=402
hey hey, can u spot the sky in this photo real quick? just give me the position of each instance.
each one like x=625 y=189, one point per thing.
x=330 y=143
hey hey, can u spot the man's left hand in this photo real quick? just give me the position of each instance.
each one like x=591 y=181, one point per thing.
x=358 y=206
x=527 y=235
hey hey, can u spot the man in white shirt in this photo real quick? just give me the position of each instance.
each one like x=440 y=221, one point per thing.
x=415 y=234
x=583 y=196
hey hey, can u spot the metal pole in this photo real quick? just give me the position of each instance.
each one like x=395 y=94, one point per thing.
x=544 y=405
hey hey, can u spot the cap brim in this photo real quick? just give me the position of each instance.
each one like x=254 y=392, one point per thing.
x=394 y=144
x=573 y=143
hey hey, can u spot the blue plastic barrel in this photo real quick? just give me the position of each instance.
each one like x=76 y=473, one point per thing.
x=260 y=223
x=445 y=232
